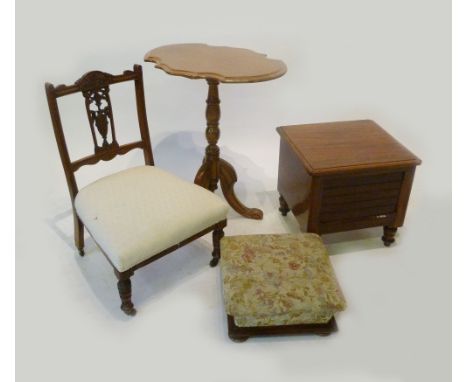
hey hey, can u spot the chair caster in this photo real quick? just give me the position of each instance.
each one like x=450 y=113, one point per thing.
x=129 y=311
x=214 y=262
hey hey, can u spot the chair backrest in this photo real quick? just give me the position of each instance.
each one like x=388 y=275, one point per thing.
x=95 y=89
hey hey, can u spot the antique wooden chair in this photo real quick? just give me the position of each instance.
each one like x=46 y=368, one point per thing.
x=140 y=214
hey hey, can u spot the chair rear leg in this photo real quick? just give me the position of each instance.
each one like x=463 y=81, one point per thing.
x=79 y=234
x=284 y=208
x=124 y=286
x=218 y=234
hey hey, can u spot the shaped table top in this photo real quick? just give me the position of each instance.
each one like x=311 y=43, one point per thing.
x=220 y=63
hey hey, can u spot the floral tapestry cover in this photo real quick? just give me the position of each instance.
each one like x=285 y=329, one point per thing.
x=279 y=280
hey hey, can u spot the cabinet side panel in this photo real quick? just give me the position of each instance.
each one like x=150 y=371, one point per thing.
x=404 y=196
x=294 y=184
x=315 y=205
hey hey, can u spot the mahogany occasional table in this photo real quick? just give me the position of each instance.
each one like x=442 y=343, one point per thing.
x=217 y=64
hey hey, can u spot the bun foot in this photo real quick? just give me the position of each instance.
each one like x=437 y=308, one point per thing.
x=238 y=339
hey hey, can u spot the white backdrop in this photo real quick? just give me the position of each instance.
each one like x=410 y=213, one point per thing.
x=384 y=60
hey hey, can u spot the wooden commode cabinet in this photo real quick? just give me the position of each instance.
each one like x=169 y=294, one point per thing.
x=342 y=176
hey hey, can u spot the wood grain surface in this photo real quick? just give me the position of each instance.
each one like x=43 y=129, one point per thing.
x=220 y=63
x=327 y=147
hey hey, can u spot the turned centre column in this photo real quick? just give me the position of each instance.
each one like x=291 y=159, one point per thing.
x=213 y=114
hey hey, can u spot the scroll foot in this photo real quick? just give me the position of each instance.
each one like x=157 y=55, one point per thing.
x=228 y=178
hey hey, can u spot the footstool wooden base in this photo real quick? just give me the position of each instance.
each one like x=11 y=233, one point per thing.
x=242 y=334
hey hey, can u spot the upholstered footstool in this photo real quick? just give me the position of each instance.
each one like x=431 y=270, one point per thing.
x=277 y=285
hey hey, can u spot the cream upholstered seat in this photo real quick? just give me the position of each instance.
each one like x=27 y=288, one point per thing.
x=139 y=212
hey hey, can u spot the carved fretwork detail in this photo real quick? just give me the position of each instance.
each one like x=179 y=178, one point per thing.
x=94 y=80
x=95 y=89
x=99 y=109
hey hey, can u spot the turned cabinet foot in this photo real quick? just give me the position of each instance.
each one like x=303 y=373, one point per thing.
x=389 y=235
x=283 y=208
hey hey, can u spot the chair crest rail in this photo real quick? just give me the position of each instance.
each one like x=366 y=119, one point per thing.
x=85 y=82
x=95 y=88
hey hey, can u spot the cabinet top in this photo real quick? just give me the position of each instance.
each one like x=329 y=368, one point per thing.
x=219 y=63
x=346 y=146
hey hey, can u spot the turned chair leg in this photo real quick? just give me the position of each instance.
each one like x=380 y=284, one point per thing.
x=218 y=234
x=79 y=234
x=124 y=286
x=389 y=235
x=284 y=209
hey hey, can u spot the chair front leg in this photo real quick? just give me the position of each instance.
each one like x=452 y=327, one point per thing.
x=124 y=286
x=79 y=234
x=218 y=234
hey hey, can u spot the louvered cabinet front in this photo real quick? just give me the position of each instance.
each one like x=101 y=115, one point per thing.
x=347 y=202
x=359 y=201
